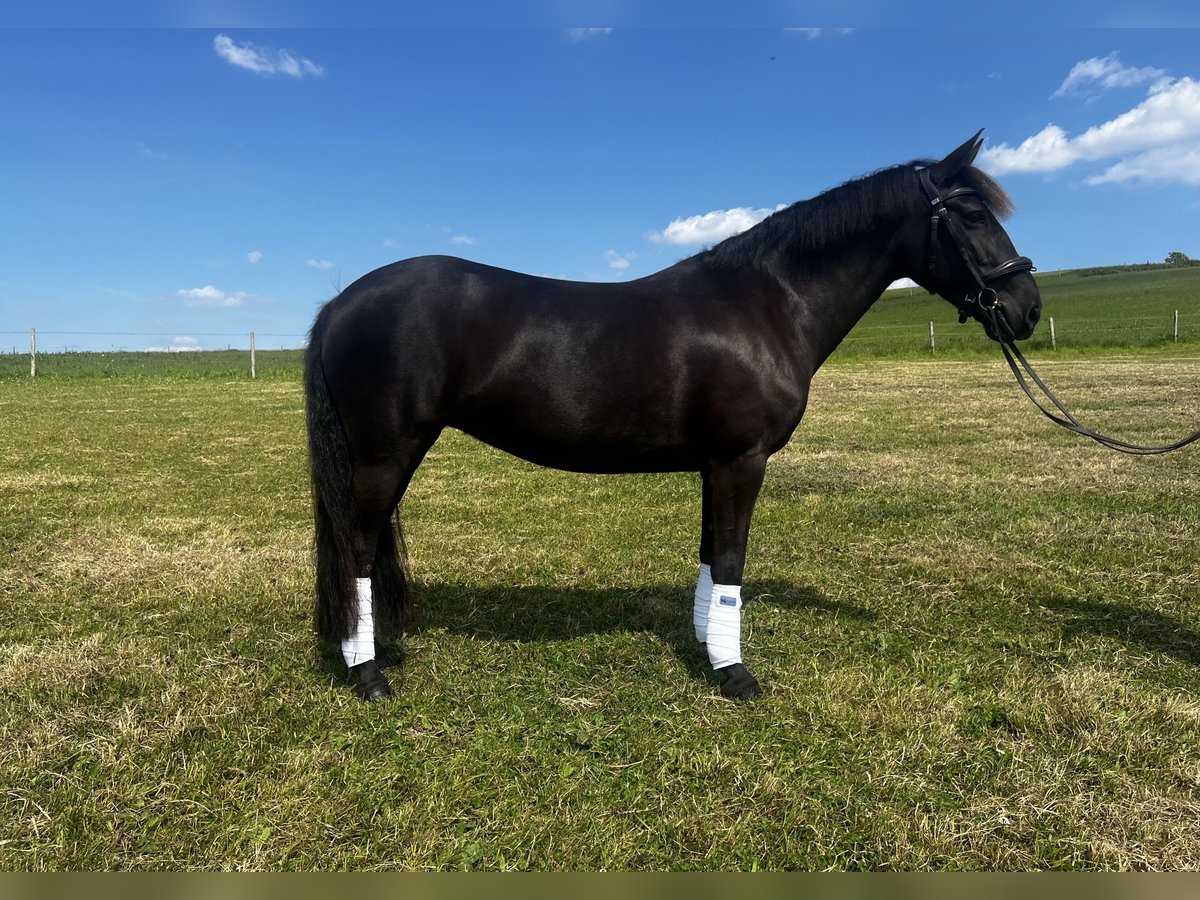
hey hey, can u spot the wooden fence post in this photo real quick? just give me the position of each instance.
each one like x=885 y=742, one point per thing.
x=932 y=341
x=1053 y=340
x=33 y=353
x=1177 y=326
x=252 y=375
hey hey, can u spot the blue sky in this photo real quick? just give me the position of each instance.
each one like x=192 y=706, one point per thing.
x=181 y=185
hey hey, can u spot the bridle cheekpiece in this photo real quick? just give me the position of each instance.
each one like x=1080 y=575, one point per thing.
x=986 y=303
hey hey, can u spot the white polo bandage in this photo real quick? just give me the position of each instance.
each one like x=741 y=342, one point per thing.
x=701 y=603
x=360 y=646
x=725 y=625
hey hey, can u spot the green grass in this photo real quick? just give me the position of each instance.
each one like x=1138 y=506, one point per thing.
x=1091 y=312
x=979 y=639
x=269 y=364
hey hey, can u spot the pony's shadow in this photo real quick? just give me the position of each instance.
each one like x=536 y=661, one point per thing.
x=555 y=613
x=1150 y=629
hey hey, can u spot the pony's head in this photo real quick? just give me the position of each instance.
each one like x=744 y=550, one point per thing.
x=969 y=258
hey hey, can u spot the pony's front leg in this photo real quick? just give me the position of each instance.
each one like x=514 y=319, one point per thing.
x=731 y=490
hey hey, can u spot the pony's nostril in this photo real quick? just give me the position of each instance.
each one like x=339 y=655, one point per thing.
x=1034 y=316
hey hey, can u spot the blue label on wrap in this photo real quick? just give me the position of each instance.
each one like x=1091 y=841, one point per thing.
x=728 y=601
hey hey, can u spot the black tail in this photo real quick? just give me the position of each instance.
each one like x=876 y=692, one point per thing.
x=334 y=514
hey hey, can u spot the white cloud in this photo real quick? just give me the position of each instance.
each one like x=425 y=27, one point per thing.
x=254 y=256
x=1107 y=72
x=319 y=263
x=814 y=33
x=177 y=345
x=149 y=153
x=211 y=296
x=1047 y=151
x=1163 y=133
x=1171 y=113
x=615 y=260
x=1177 y=163
x=711 y=226
x=586 y=34
x=453 y=238
x=264 y=60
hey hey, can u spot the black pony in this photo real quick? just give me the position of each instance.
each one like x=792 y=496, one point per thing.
x=702 y=367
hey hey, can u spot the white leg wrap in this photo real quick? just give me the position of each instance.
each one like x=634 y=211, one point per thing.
x=360 y=646
x=702 y=601
x=725 y=625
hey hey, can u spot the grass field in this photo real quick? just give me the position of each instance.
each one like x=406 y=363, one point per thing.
x=979 y=639
x=1091 y=312
x=207 y=364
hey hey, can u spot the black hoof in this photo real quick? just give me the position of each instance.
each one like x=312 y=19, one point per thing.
x=738 y=684
x=368 y=682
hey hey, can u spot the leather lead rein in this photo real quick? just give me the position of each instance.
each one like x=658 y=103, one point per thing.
x=977 y=306
x=1017 y=361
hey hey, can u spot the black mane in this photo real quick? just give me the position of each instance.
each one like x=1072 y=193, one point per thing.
x=850 y=209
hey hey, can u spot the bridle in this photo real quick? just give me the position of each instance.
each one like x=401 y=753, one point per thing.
x=986 y=306
x=987 y=299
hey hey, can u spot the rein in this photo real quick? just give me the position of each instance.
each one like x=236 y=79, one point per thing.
x=987 y=308
x=1017 y=362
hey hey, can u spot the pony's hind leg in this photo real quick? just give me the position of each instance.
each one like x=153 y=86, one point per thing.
x=384 y=604
x=374 y=485
x=389 y=578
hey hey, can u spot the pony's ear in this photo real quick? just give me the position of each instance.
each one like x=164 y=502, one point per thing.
x=958 y=158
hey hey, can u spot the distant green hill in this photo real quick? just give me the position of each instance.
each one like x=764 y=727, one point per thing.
x=1115 y=306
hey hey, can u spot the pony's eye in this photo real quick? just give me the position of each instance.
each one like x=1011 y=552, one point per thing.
x=975 y=219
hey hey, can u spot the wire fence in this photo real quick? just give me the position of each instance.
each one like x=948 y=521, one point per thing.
x=82 y=352
x=76 y=352
x=1053 y=333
